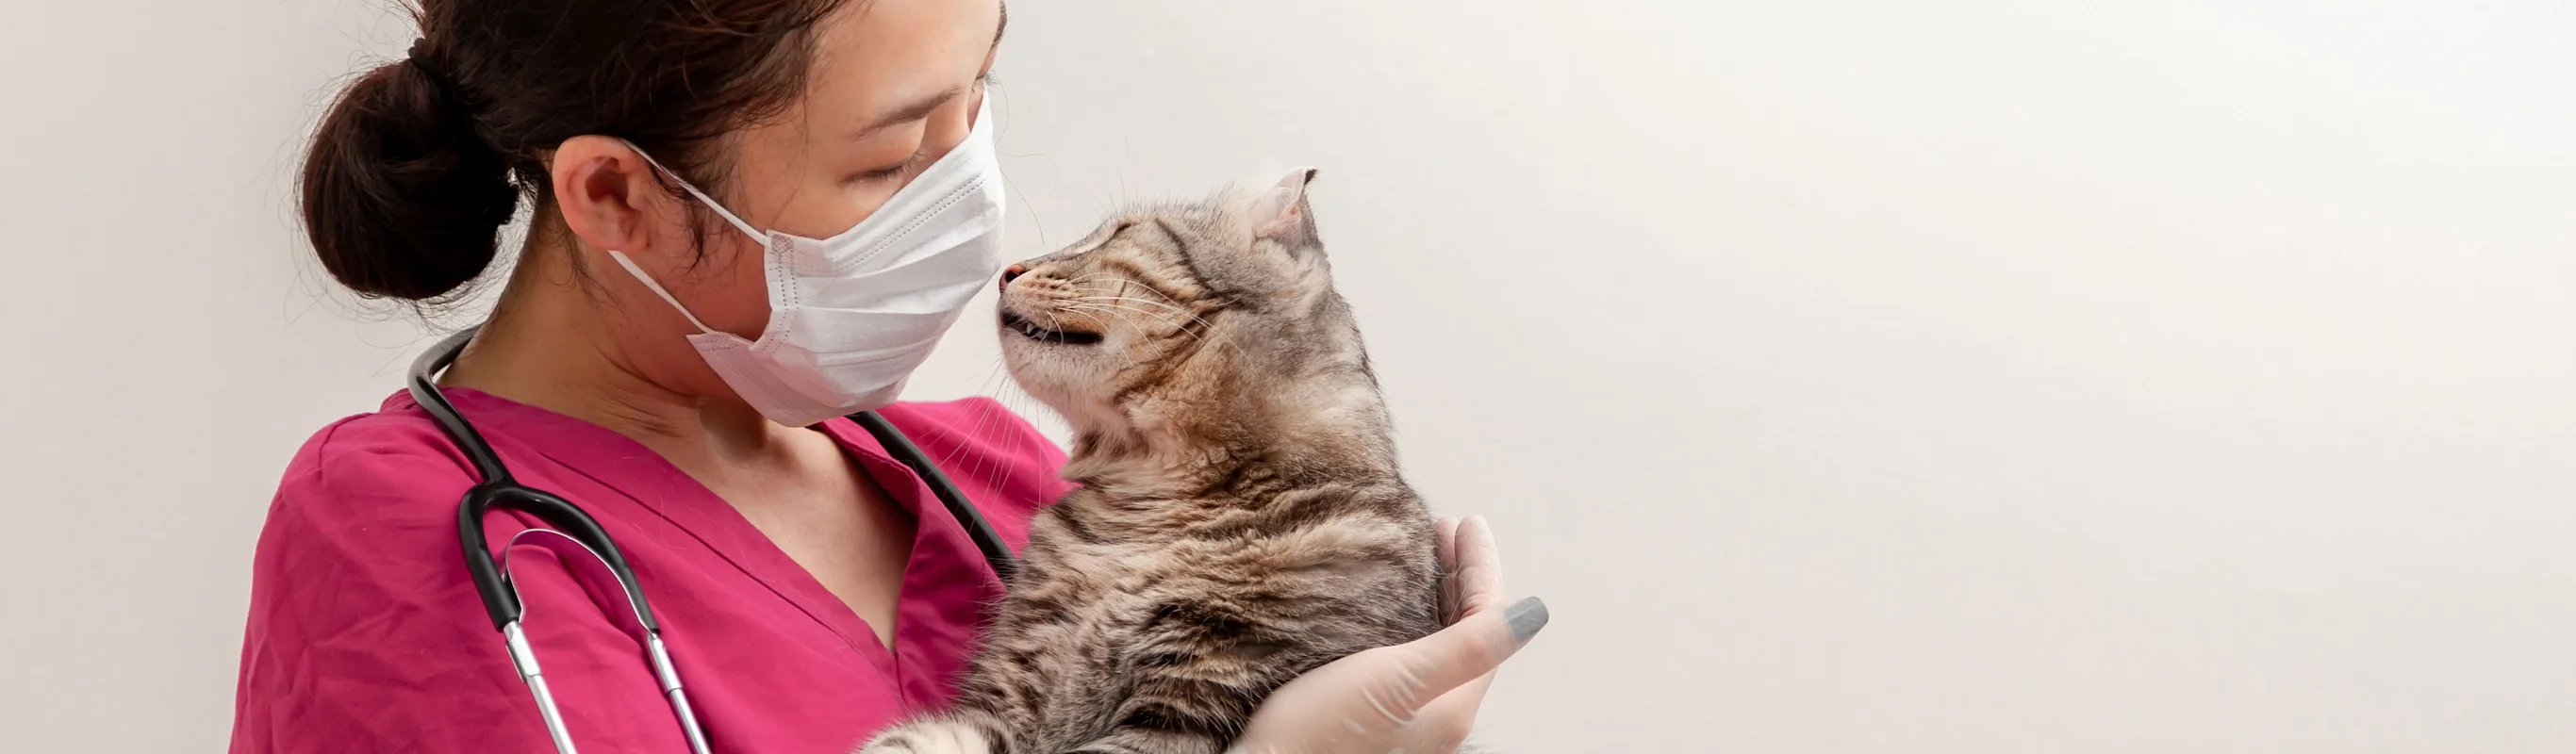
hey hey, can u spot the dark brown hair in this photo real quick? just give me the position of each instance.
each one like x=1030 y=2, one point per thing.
x=421 y=161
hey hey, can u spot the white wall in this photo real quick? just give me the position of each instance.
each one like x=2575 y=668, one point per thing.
x=1979 y=376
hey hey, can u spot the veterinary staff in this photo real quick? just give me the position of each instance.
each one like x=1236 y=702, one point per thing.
x=675 y=366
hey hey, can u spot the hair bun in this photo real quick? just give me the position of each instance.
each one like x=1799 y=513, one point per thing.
x=401 y=197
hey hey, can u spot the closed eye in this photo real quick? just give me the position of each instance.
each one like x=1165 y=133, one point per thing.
x=889 y=172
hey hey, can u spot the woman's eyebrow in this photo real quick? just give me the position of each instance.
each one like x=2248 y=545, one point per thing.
x=922 y=108
x=909 y=112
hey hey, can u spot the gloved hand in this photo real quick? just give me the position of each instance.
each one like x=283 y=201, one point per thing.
x=1414 y=698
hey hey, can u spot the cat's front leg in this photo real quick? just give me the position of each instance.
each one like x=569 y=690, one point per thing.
x=1198 y=673
x=962 y=732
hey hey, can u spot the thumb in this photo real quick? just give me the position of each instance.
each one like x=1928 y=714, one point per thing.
x=1468 y=649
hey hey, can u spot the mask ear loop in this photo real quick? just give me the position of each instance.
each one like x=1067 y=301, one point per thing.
x=756 y=235
x=667 y=298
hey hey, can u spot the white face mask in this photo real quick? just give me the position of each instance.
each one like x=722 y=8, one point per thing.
x=851 y=316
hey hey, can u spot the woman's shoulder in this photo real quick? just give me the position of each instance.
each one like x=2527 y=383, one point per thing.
x=390 y=464
x=362 y=529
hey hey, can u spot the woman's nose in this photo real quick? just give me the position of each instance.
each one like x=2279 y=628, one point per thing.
x=1013 y=273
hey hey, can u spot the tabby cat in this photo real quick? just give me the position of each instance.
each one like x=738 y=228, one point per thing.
x=1240 y=520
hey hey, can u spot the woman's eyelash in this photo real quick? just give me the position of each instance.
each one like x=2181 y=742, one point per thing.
x=890 y=171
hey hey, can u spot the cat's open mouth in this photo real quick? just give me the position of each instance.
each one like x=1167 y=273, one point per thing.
x=1032 y=331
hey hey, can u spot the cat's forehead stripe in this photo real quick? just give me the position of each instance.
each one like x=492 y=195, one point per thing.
x=1169 y=272
x=1189 y=262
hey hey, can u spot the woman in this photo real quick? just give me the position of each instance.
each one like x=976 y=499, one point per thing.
x=631 y=365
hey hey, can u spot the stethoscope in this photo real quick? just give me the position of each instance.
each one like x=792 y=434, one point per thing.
x=572 y=526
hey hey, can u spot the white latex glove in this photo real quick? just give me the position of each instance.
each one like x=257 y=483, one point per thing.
x=1414 y=698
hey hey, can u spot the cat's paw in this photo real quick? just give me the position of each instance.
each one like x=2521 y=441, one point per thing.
x=930 y=737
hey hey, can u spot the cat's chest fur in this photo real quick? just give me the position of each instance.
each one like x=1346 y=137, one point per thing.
x=1340 y=567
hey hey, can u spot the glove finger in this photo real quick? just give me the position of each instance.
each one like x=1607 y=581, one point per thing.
x=1437 y=664
x=1478 y=571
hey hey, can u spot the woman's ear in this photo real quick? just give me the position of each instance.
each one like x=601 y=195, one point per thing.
x=1281 y=214
x=605 y=188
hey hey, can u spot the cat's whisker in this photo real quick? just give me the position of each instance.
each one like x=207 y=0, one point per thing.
x=977 y=431
x=1116 y=300
x=1090 y=315
x=1086 y=314
x=1194 y=317
x=1000 y=421
x=1165 y=319
x=985 y=417
x=1148 y=289
x=1021 y=404
x=1172 y=304
x=1176 y=327
x=1109 y=308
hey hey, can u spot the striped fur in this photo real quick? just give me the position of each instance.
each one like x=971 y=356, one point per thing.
x=1241 y=518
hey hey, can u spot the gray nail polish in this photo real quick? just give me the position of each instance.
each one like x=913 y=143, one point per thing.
x=1527 y=617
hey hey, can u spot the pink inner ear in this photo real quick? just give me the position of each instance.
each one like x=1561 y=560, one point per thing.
x=1278 y=208
x=1278 y=212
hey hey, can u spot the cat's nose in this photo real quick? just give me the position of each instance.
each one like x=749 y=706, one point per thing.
x=1013 y=273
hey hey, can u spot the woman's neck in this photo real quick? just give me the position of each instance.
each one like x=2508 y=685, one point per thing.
x=549 y=345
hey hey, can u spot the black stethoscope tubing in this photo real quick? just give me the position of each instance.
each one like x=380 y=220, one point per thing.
x=498 y=489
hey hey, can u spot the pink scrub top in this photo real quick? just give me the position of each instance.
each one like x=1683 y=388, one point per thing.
x=366 y=635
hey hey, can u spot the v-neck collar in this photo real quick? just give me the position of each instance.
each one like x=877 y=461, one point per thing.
x=943 y=560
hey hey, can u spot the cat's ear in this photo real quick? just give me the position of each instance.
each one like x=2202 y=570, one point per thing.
x=1281 y=214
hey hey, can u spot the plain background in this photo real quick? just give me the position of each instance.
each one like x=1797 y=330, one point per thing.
x=1849 y=375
